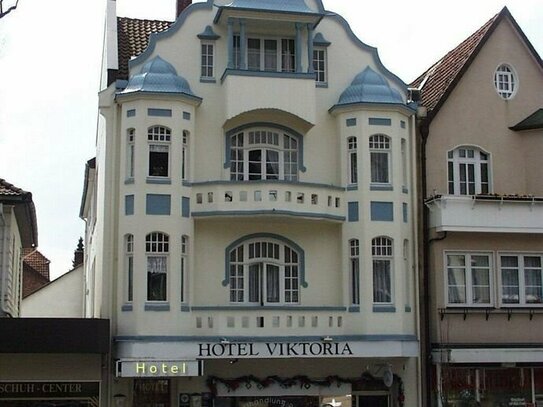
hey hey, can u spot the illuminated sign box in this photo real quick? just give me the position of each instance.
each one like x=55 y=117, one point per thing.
x=158 y=368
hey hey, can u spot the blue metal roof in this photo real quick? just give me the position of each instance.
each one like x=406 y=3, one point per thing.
x=158 y=76
x=290 y=6
x=369 y=87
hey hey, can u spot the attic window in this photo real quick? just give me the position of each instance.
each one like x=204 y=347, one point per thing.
x=505 y=81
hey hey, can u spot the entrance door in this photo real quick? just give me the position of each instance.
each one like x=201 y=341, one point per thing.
x=373 y=400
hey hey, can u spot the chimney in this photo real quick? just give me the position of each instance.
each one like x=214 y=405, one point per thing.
x=182 y=5
x=78 y=254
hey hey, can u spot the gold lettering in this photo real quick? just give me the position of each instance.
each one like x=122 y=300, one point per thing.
x=140 y=367
x=183 y=368
x=153 y=369
x=174 y=369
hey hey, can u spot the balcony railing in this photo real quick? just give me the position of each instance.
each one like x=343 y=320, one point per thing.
x=486 y=213
x=268 y=198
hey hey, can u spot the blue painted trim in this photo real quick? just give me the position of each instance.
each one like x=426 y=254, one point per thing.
x=210 y=338
x=208 y=34
x=310 y=68
x=129 y=181
x=185 y=207
x=384 y=308
x=352 y=212
x=352 y=187
x=267 y=74
x=208 y=80
x=217 y=17
x=131 y=113
x=320 y=41
x=275 y=212
x=321 y=84
x=361 y=105
x=159 y=112
x=159 y=181
x=354 y=308
x=186 y=183
x=404 y=212
x=186 y=115
x=382 y=211
x=298 y=136
x=376 y=187
x=185 y=308
x=405 y=190
x=351 y=122
x=126 y=307
x=154 y=37
x=143 y=93
x=298 y=47
x=265 y=308
x=378 y=121
x=288 y=242
x=129 y=204
x=263 y=182
x=149 y=306
x=158 y=204
x=407 y=308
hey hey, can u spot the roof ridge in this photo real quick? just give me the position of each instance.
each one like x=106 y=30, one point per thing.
x=144 y=19
x=10 y=187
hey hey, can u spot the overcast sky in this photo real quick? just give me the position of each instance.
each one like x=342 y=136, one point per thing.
x=50 y=56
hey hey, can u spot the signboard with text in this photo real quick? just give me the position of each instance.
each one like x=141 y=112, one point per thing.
x=158 y=368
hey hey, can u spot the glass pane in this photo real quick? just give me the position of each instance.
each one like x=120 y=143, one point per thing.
x=381 y=281
x=158 y=164
x=379 y=167
x=254 y=283
x=272 y=283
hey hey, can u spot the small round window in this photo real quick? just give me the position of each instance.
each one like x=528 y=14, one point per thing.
x=505 y=81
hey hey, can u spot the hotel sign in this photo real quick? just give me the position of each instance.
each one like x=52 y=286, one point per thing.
x=274 y=349
x=158 y=368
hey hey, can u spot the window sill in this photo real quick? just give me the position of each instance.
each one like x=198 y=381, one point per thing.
x=376 y=187
x=164 y=181
x=354 y=308
x=208 y=80
x=157 y=306
x=384 y=308
x=405 y=190
x=352 y=188
x=267 y=74
x=321 y=84
x=129 y=181
x=407 y=308
x=244 y=307
x=126 y=307
x=185 y=308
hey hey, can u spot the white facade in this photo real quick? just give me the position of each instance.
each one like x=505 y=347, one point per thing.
x=243 y=207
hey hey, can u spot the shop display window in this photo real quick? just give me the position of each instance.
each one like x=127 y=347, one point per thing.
x=458 y=388
x=506 y=386
x=151 y=393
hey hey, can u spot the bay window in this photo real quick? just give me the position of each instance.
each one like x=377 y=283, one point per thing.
x=264 y=272
x=157 y=249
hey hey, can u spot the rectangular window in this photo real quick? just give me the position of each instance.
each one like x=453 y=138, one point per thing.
x=353 y=160
x=380 y=159
x=469 y=279
x=130 y=154
x=354 y=248
x=319 y=65
x=185 y=155
x=404 y=162
x=265 y=54
x=253 y=54
x=207 y=60
x=157 y=267
x=184 y=266
x=521 y=279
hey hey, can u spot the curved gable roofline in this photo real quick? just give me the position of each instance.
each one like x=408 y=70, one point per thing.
x=372 y=50
x=154 y=37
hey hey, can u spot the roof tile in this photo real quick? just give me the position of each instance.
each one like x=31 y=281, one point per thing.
x=8 y=189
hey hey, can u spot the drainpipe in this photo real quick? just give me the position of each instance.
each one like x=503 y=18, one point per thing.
x=3 y=225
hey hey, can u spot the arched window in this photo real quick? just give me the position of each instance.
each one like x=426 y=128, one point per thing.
x=468 y=171
x=157 y=247
x=159 y=138
x=130 y=152
x=381 y=252
x=353 y=160
x=505 y=81
x=380 y=159
x=264 y=271
x=354 y=258
x=263 y=154
x=129 y=255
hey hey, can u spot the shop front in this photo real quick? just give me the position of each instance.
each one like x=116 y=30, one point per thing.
x=266 y=374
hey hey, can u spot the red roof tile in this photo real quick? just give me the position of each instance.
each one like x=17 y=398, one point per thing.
x=9 y=189
x=133 y=38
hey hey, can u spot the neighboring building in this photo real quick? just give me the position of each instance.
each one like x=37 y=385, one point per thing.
x=250 y=211
x=35 y=271
x=482 y=144
x=18 y=231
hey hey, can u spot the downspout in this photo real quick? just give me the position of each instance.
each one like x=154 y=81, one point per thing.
x=3 y=225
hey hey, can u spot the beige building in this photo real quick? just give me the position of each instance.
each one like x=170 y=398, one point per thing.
x=483 y=218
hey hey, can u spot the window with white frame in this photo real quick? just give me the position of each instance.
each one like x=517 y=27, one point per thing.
x=267 y=54
x=380 y=159
x=353 y=160
x=469 y=279
x=157 y=247
x=185 y=155
x=264 y=272
x=382 y=256
x=406 y=272
x=207 y=58
x=404 y=162
x=521 y=279
x=130 y=152
x=468 y=171
x=505 y=81
x=184 y=266
x=129 y=256
x=354 y=260
x=319 y=65
x=258 y=154
x=159 y=138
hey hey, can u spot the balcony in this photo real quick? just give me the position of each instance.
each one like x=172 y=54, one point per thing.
x=268 y=198
x=486 y=213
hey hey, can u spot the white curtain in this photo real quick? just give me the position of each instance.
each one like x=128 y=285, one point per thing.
x=381 y=281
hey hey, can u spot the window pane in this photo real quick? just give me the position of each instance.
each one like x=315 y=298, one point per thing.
x=270 y=55
x=253 y=54
x=457 y=285
x=381 y=281
x=158 y=163
x=379 y=167
x=272 y=283
x=272 y=164
x=510 y=280
x=156 y=278
x=255 y=164
x=254 y=283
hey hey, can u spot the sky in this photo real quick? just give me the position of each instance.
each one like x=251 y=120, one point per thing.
x=50 y=59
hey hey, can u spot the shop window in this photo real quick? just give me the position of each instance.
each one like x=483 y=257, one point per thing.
x=151 y=393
